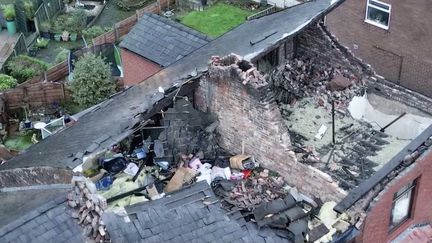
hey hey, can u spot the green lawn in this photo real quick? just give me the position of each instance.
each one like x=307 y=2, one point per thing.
x=216 y=20
x=19 y=142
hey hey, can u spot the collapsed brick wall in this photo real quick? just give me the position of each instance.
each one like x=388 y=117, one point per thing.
x=402 y=54
x=317 y=43
x=235 y=97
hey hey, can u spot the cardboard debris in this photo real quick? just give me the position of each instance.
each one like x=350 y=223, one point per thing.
x=182 y=175
x=236 y=162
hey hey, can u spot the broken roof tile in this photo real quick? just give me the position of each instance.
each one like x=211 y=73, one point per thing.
x=183 y=225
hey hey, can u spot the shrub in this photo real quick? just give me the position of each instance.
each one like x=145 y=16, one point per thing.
x=42 y=43
x=62 y=55
x=93 y=32
x=24 y=67
x=7 y=82
x=92 y=82
x=9 y=12
x=74 y=22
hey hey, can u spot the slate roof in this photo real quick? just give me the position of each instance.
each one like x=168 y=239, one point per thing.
x=113 y=118
x=17 y=203
x=189 y=215
x=162 y=40
x=50 y=222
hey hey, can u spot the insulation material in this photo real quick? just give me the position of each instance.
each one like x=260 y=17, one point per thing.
x=360 y=108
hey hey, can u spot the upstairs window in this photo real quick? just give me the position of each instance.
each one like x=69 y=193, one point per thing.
x=378 y=14
x=402 y=204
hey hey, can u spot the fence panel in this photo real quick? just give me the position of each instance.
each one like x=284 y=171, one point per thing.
x=35 y=95
x=20 y=46
x=52 y=7
x=40 y=16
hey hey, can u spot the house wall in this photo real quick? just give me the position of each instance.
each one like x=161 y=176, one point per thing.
x=376 y=224
x=245 y=118
x=401 y=54
x=316 y=42
x=285 y=50
x=136 y=68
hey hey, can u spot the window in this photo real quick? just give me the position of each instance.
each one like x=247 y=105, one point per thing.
x=378 y=14
x=402 y=204
x=270 y=60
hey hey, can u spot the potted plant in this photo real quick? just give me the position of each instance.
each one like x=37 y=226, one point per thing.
x=57 y=36
x=73 y=36
x=29 y=12
x=65 y=35
x=42 y=43
x=33 y=51
x=44 y=29
x=9 y=13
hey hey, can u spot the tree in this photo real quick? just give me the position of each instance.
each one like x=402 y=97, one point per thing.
x=92 y=81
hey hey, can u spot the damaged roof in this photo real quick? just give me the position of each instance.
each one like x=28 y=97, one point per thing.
x=115 y=117
x=16 y=202
x=360 y=148
x=189 y=215
x=162 y=40
x=401 y=160
x=48 y=222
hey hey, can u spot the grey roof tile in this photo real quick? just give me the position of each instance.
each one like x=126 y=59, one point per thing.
x=43 y=226
x=188 y=221
x=161 y=40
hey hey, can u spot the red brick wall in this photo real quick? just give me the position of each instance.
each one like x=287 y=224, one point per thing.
x=246 y=119
x=401 y=54
x=375 y=226
x=136 y=68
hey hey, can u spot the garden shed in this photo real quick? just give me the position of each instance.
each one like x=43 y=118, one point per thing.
x=154 y=43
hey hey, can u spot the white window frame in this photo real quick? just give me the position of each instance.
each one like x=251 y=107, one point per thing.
x=406 y=191
x=368 y=5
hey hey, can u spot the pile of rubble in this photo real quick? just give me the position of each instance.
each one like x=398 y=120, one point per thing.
x=247 y=194
x=262 y=197
x=88 y=209
x=301 y=78
x=246 y=72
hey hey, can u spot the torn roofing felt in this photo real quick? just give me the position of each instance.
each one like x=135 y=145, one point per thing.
x=162 y=40
x=102 y=126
